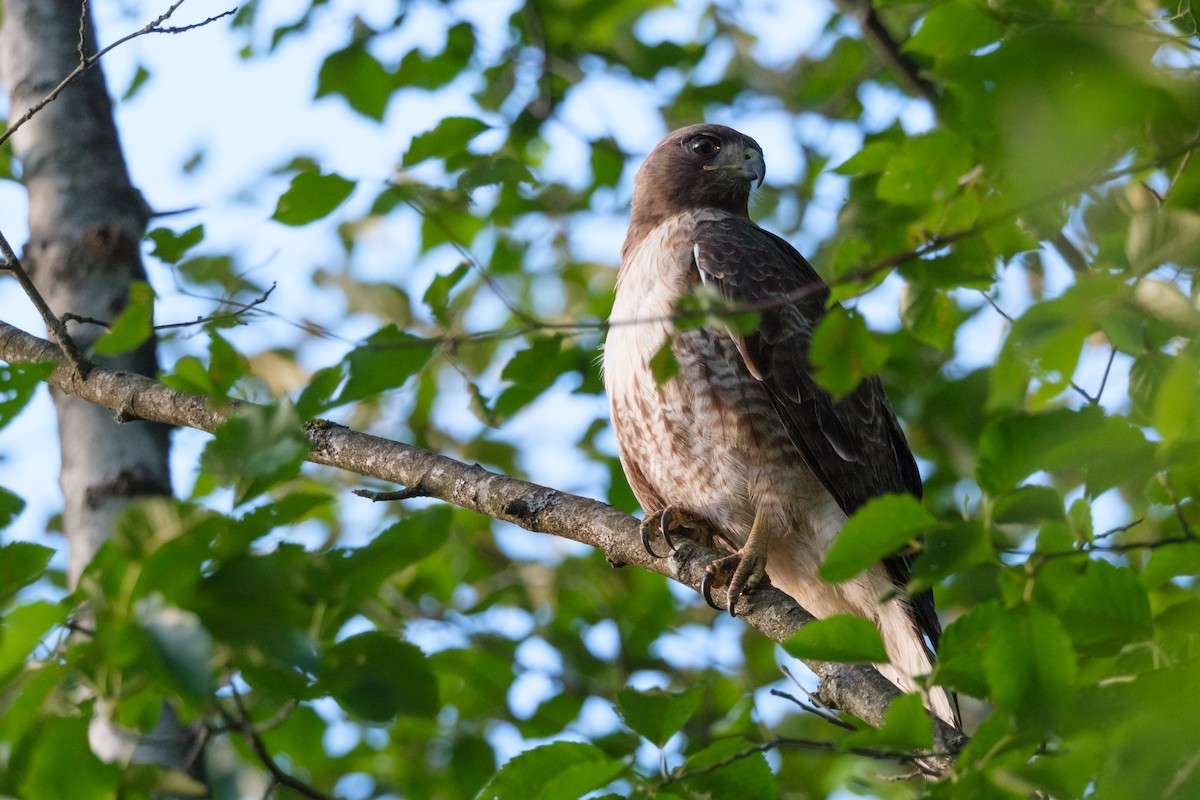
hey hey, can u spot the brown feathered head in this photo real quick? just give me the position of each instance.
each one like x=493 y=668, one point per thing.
x=700 y=166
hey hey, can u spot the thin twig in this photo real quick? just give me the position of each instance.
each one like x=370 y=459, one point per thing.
x=399 y=494
x=243 y=309
x=914 y=758
x=243 y=725
x=933 y=245
x=88 y=62
x=1165 y=479
x=489 y=280
x=814 y=707
x=1089 y=548
x=80 y=46
x=881 y=39
x=1008 y=317
x=1112 y=356
x=1175 y=178
x=57 y=329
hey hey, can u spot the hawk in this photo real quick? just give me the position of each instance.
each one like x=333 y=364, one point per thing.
x=741 y=445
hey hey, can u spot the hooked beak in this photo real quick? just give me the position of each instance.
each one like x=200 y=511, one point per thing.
x=754 y=166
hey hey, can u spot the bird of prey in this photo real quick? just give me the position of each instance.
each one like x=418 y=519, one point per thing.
x=740 y=445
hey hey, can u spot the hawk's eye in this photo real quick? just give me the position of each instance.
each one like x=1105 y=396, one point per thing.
x=705 y=146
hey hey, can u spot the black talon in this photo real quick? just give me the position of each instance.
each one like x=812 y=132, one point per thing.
x=664 y=524
x=706 y=588
x=646 y=541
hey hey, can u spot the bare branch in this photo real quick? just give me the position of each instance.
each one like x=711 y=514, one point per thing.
x=915 y=759
x=401 y=494
x=815 y=708
x=57 y=329
x=232 y=316
x=86 y=63
x=854 y=688
x=245 y=726
x=1037 y=560
x=885 y=45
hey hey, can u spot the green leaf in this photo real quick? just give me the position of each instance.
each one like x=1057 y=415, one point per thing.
x=1045 y=342
x=607 y=162
x=378 y=676
x=927 y=168
x=450 y=137
x=1161 y=236
x=217 y=271
x=965 y=642
x=63 y=765
x=357 y=76
x=317 y=397
x=559 y=771
x=1108 y=610
x=552 y=716
x=21 y=563
x=139 y=80
x=260 y=605
x=17 y=384
x=184 y=645
x=874 y=157
x=362 y=570
x=536 y=369
x=658 y=714
x=490 y=170
x=843 y=638
x=950 y=548
x=932 y=317
x=225 y=367
x=10 y=506
x=385 y=361
x=663 y=364
x=1109 y=450
x=744 y=774
x=438 y=70
x=133 y=326
x=878 y=529
x=905 y=728
x=1030 y=667
x=1027 y=505
x=952 y=30
x=437 y=296
x=312 y=196
x=22 y=629
x=189 y=375
x=170 y=247
x=844 y=351
x=256 y=448
x=1177 y=399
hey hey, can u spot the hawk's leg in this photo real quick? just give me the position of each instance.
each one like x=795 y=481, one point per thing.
x=748 y=566
x=669 y=520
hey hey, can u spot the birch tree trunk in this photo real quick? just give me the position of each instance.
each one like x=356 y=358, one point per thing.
x=86 y=221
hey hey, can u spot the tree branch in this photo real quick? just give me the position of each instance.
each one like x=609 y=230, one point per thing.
x=854 y=688
x=56 y=327
x=245 y=726
x=87 y=62
x=908 y=74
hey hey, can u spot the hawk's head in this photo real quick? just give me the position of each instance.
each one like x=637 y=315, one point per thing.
x=700 y=166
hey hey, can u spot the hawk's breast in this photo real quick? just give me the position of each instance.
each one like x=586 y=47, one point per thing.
x=708 y=439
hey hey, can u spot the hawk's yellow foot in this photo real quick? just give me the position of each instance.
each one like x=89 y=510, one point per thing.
x=748 y=566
